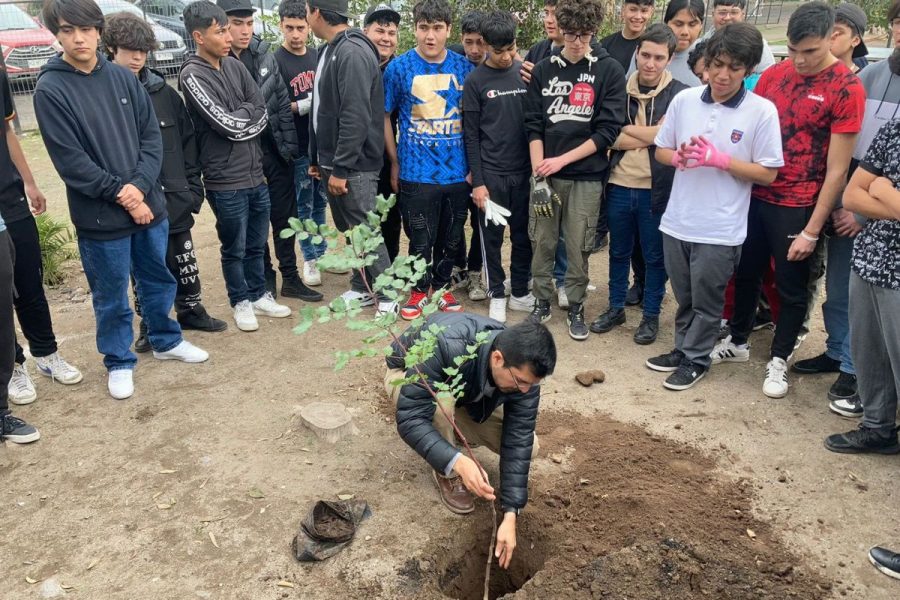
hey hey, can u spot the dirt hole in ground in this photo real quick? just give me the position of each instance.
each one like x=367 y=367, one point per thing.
x=620 y=513
x=463 y=578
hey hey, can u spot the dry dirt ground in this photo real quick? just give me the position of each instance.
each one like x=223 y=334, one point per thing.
x=195 y=487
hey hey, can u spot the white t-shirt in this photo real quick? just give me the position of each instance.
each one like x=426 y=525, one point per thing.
x=708 y=205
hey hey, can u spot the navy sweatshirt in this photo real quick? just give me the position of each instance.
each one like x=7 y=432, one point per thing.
x=568 y=104
x=101 y=133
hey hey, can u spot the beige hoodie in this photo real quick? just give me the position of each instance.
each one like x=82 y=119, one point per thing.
x=633 y=170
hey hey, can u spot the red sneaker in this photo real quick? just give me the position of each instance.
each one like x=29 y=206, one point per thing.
x=448 y=303
x=413 y=307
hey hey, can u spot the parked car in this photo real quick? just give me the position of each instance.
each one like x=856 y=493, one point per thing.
x=171 y=50
x=25 y=44
x=168 y=13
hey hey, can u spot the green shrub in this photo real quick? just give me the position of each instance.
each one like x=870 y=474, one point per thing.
x=57 y=248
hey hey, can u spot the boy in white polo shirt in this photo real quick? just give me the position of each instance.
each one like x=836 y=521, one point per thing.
x=722 y=139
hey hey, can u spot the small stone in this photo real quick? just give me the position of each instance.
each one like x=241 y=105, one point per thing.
x=557 y=458
x=51 y=588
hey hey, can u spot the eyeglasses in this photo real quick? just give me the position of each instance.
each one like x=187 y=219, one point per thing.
x=581 y=37
x=522 y=387
x=728 y=12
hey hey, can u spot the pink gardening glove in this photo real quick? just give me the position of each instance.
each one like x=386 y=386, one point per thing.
x=703 y=154
x=678 y=160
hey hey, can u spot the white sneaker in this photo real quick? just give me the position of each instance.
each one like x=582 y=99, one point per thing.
x=364 y=299
x=387 y=306
x=21 y=387
x=498 y=309
x=522 y=303
x=56 y=368
x=267 y=307
x=121 y=384
x=311 y=274
x=476 y=287
x=185 y=352
x=776 y=383
x=561 y=297
x=244 y=317
x=725 y=351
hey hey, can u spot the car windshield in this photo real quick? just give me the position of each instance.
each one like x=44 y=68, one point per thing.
x=108 y=7
x=12 y=17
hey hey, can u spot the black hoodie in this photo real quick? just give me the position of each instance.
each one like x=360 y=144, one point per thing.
x=350 y=106
x=570 y=103
x=180 y=174
x=229 y=113
x=101 y=133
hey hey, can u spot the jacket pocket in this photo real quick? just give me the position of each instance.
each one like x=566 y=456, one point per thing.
x=171 y=137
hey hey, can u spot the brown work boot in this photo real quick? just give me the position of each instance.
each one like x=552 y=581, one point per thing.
x=454 y=494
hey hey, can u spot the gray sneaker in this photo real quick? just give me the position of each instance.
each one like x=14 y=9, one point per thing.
x=16 y=430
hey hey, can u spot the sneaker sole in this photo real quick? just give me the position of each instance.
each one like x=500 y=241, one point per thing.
x=49 y=375
x=834 y=397
x=22 y=401
x=659 y=368
x=887 y=451
x=247 y=328
x=164 y=356
x=730 y=359
x=644 y=341
x=23 y=439
x=306 y=298
x=603 y=330
x=804 y=371
x=453 y=509
x=215 y=329
x=882 y=568
x=844 y=413
x=409 y=317
x=579 y=338
x=681 y=388
x=451 y=309
x=775 y=396
x=520 y=308
x=263 y=313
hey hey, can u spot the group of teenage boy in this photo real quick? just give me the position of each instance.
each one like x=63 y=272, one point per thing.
x=701 y=160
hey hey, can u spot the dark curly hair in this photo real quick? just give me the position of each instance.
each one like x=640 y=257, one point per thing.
x=579 y=16
x=127 y=31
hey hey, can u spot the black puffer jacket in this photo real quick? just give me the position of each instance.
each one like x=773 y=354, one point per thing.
x=180 y=175
x=281 y=135
x=415 y=406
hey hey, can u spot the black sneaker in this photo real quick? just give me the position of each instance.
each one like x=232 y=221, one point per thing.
x=578 y=329
x=600 y=243
x=142 y=343
x=293 y=287
x=541 y=312
x=666 y=363
x=647 y=331
x=198 y=319
x=16 y=430
x=844 y=388
x=271 y=283
x=685 y=377
x=819 y=364
x=886 y=561
x=763 y=320
x=609 y=319
x=635 y=294
x=863 y=440
x=851 y=408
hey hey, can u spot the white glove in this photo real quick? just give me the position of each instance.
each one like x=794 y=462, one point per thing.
x=303 y=106
x=494 y=213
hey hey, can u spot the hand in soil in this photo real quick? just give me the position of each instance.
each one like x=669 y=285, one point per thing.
x=475 y=480
x=506 y=540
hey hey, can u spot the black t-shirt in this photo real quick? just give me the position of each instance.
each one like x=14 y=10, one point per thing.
x=13 y=205
x=619 y=48
x=494 y=100
x=298 y=73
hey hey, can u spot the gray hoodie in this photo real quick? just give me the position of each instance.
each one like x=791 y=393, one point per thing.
x=882 y=102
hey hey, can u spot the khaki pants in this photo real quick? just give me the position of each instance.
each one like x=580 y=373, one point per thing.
x=485 y=434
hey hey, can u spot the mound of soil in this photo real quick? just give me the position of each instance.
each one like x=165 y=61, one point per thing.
x=618 y=514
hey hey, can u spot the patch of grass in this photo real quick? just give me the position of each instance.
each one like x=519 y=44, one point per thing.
x=57 y=248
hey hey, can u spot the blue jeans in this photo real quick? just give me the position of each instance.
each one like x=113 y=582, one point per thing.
x=311 y=204
x=108 y=265
x=835 y=310
x=242 y=222
x=628 y=213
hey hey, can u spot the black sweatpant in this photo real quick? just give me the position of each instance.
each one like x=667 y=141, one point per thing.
x=181 y=259
x=7 y=326
x=31 y=302
x=473 y=260
x=393 y=225
x=510 y=192
x=280 y=181
x=771 y=229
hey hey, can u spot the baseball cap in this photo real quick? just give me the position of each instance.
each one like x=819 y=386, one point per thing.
x=381 y=11
x=234 y=6
x=854 y=16
x=336 y=6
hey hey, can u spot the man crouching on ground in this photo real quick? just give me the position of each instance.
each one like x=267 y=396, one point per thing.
x=498 y=410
